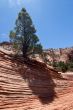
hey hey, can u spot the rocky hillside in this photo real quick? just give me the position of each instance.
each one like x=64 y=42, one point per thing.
x=31 y=85
x=22 y=81
x=49 y=55
x=57 y=55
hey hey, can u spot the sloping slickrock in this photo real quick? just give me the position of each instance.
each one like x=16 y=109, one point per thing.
x=21 y=82
x=28 y=84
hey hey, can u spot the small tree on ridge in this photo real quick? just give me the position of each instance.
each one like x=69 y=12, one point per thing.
x=23 y=37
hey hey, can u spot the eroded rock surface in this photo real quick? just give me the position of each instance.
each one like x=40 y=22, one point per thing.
x=28 y=84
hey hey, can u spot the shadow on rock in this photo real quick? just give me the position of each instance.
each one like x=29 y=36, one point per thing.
x=39 y=80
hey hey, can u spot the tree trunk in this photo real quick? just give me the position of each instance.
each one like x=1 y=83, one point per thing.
x=24 y=50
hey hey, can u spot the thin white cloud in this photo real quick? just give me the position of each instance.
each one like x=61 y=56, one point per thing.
x=21 y=2
x=3 y=35
x=15 y=2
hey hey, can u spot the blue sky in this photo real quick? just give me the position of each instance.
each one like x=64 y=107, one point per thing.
x=53 y=20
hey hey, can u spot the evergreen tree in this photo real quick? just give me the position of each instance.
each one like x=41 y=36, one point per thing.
x=23 y=37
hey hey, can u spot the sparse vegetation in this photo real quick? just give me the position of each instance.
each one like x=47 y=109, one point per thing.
x=70 y=66
x=60 y=66
x=70 y=56
x=63 y=67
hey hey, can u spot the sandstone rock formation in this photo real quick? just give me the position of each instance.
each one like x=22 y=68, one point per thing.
x=21 y=81
x=57 y=55
x=31 y=85
x=50 y=55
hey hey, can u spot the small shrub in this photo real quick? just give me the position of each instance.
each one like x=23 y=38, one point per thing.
x=70 y=66
x=60 y=66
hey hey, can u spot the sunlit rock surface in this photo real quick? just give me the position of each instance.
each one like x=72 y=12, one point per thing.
x=29 y=84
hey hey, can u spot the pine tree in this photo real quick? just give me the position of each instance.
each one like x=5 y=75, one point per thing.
x=23 y=37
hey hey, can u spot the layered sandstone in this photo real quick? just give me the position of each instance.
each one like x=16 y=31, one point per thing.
x=57 y=55
x=29 y=84
x=22 y=81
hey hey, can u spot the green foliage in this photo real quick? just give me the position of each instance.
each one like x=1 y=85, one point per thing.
x=70 y=56
x=23 y=37
x=70 y=66
x=70 y=61
x=60 y=66
x=63 y=67
x=55 y=64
